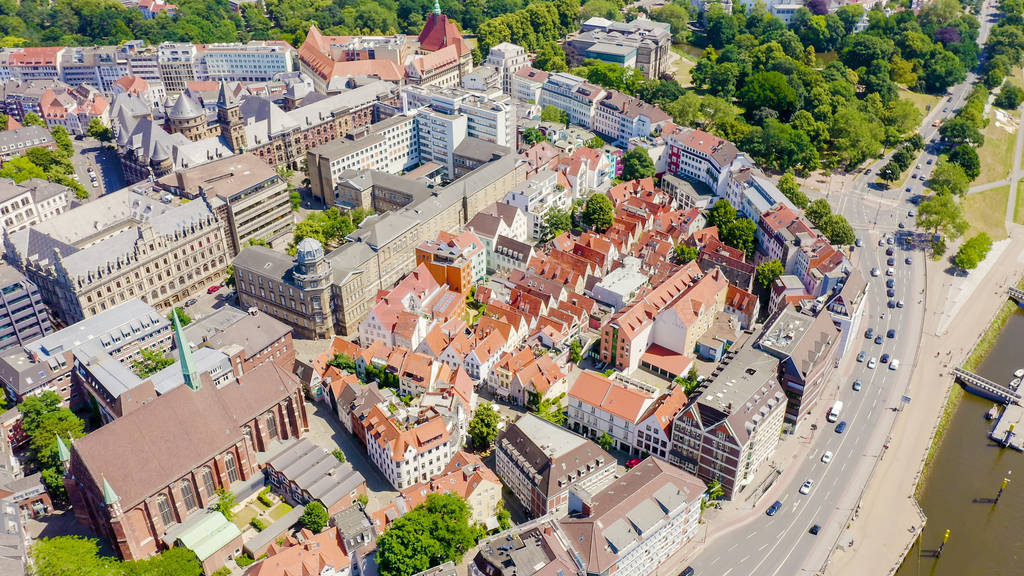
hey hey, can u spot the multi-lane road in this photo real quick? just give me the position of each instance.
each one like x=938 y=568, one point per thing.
x=781 y=545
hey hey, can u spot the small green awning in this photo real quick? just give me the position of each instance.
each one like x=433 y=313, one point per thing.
x=208 y=533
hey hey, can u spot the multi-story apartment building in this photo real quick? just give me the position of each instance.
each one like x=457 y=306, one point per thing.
x=20 y=98
x=14 y=143
x=648 y=517
x=133 y=243
x=45 y=364
x=537 y=196
x=177 y=62
x=458 y=260
x=846 y=305
x=697 y=155
x=255 y=61
x=246 y=194
x=37 y=63
x=640 y=43
x=734 y=424
x=541 y=462
x=439 y=134
x=621 y=117
x=466 y=476
x=598 y=406
x=780 y=233
x=806 y=347
x=30 y=202
x=489 y=114
x=97 y=66
x=23 y=317
x=507 y=59
x=390 y=145
x=573 y=95
x=376 y=255
x=750 y=191
x=410 y=448
x=74 y=108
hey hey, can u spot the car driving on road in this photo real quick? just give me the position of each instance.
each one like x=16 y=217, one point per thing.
x=805 y=488
x=826 y=457
x=774 y=508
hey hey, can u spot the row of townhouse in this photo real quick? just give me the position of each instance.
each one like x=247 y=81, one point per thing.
x=173 y=63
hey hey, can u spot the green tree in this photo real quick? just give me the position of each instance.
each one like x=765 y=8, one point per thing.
x=339 y=455
x=550 y=57
x=20 y=169
x=958 y=130
x=949 y=178
x=606 y=442
x=596 y=143
x=63 y=141
x=555 y=115
x=69 y=556
x=44 y=420
x=314 y=517
x=33 y=119
x=599 y=213
x=838 y=230
x=152 y=362
x=890 y=172
x=690 y=382
x=343 y=362
x=721 y=215
x=503 y=515
x=637 y=164
x=183 y=317
x=769 y=90
x=575 y=351
x=790 y=189
x=768 y=271
x=1010 y=97
x=225 y=502
x=684 y=253
x=966 y=157
x=942 y=214
x=740 y=234
x=973 y=251
x=549 y=409
x=678 y=17
x=533 y=136
x=99 y=131
x=230 y=280
x=483 y=427
x=433 y=533
x=556 y=221
x=817 y=211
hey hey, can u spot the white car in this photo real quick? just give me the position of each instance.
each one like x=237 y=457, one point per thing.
x=890 y=271
x=875 y=271
x=826 y=457
x=894 y=365
x=872 y=363
x=806 y=487
x=95 y=184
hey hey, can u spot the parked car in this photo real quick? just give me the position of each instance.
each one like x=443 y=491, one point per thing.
x=872 y=363
x=191 y=302
x=890 y=283
x=889 y=251
x=894 y=365
x=899 y=303
x=858 y=243
x=632 y=463
x=875 y=272
x=890 y=271
x=885 y=358
x=213 y=289
x=774 y=508
x=95 y=184
x=890 y=261
x=861 y=356
x=890 y=292
x=890 y=241
x=841 y=427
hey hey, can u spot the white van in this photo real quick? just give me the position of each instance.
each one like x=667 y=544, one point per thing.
x=833 y=413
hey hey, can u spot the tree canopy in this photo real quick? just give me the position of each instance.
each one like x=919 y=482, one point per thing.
x=78 y=556
x=483 y=427
x=973 y=251
x=44 y=420
x=431 y=534
x=637 y=164
x=768 y=271
x=314 y=517
x=599 y=213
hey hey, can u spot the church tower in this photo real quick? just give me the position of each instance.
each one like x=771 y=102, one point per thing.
x=229 y=116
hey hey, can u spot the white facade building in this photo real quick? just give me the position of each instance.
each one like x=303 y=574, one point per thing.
x=508 y=59
x=574 y=95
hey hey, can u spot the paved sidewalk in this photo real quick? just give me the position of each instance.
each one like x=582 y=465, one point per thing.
x=890 y=518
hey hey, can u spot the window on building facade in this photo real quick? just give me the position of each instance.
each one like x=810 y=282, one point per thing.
x=163 y=506
x=189 y=495
x=271 y=427
x=231 y=466
x=208 y=484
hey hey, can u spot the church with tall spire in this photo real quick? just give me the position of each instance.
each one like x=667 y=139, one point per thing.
x=150 y=477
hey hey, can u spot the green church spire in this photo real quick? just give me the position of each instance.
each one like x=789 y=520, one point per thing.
x=437 y=7
x=109 y=496
x=62 y=450
x=188 y=366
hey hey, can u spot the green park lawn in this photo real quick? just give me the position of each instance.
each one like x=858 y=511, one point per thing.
x=688 y=56
x=986 y=212
x=279 y=511
x=1018 y=209
x=996 y=154
x=922 y=101
x=244 y=516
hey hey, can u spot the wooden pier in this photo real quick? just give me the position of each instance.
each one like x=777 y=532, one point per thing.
x=1005 y=432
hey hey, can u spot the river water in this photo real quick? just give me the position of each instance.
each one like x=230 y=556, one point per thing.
x=986 y=539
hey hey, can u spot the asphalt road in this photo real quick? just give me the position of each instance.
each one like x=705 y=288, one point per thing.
x=781 y=545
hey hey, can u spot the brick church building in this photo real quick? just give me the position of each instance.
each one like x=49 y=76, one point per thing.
x=145 y=473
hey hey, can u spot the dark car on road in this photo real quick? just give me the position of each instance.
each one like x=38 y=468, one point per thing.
x=885 y=358
x=890 y=283
x=889 y=251
x=891 y=334
x=870 y=333
x=774 y=508
x=814 y=530
x=841 y=427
